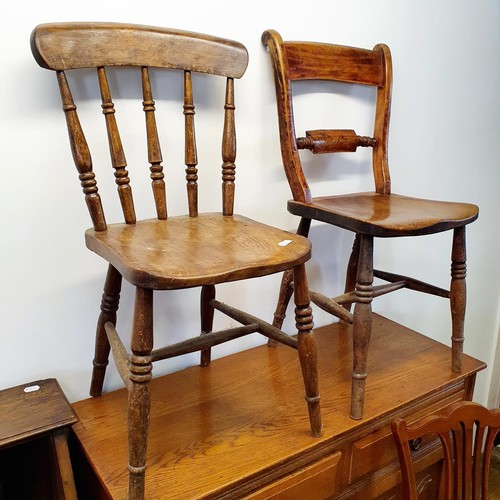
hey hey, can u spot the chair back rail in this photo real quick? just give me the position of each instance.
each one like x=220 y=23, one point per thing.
x=294 y=61
x=62 y=46
x=69 y=46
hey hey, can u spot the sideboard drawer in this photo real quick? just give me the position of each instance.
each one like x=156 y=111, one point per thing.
x=377 y=450
x=317 y=481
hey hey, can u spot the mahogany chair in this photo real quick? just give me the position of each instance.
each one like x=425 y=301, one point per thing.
x=370 y=214
x=169 y=252
x=467 y=432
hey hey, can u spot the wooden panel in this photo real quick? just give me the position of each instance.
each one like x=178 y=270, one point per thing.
x=229 y=429
x=64 y=46
x=318 y=481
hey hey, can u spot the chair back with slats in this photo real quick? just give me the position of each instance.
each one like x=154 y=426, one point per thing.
x=467 y=433
x=294 y=61
x=70 y=46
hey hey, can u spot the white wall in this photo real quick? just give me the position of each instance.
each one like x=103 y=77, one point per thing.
x=445 y=128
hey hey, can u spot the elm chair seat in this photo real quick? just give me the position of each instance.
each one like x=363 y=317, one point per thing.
x=386 y=215
x=184 y=251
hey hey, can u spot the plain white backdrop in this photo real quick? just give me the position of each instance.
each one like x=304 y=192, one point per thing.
x=443 y=145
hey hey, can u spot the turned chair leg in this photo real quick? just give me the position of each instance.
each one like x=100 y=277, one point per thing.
x=458 y=292
x=307 y=348
x=109 y=307
x=352 y=269
x=286 y=292
x=207 y=319
x=139 y=398
x=362 y=325
x=286 y=287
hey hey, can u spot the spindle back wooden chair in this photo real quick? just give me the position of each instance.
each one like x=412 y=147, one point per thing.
x=467 y=432
x=169 y=252
x=369 y=214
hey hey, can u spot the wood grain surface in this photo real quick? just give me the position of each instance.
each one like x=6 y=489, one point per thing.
x=241 y=421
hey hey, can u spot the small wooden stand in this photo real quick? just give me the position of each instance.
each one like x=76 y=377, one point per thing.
x=35 y=410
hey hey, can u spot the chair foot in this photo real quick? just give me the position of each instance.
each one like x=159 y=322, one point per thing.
x=314 y=409
x=358 y=396
x=136 y=482
x=97 y=381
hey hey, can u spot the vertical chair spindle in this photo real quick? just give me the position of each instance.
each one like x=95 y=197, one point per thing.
x=228 y=151
x=118 y=160
x=191 y=157
x=154 y=150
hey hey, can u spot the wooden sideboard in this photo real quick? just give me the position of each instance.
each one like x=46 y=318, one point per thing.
x=239 y=428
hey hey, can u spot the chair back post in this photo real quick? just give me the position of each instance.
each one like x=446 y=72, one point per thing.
x=288 y=141
x=381 y=172
x=81 y=155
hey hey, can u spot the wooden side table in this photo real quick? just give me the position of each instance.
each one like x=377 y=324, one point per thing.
x=35 y=410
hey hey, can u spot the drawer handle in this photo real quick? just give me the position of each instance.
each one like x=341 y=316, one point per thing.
x=415 y=444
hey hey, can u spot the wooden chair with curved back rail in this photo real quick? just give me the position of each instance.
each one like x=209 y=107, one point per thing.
x=467 y=432
x=368 y=215
x=169 y=252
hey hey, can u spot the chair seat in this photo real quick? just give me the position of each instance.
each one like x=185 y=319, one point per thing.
x=386 y=215
x=184 y=251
